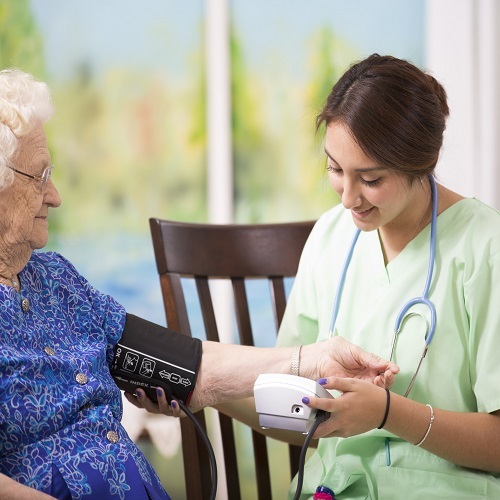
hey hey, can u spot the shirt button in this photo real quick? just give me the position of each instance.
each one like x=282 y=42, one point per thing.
x=112 y=437
x=48 y=350
x=25 y=305
x=81 y=378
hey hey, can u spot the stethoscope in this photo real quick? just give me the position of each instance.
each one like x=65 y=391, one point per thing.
x=403 y=314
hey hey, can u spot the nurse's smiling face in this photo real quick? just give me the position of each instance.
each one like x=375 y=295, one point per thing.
x=376 y=196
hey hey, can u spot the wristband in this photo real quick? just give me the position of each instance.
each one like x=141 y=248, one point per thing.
x=387 y=406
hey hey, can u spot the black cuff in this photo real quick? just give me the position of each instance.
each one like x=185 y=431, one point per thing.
x=149 y=356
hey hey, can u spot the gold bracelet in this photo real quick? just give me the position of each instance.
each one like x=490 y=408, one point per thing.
x=431 y=421
x=296 y=360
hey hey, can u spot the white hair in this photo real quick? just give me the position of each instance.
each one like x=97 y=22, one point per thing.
x=24 y=101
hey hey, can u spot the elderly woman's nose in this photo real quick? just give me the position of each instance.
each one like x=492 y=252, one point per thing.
x=52 y=196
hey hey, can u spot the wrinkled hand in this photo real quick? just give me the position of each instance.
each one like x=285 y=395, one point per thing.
x=340 y=358
x=360 y=408
x=141 y=400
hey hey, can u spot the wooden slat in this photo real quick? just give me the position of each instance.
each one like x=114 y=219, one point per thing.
x=207 y=308
x=242 y=311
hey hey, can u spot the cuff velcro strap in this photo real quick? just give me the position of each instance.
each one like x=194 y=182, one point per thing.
x=149 y=356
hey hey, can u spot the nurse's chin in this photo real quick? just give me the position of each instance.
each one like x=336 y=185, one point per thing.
x=365 y=225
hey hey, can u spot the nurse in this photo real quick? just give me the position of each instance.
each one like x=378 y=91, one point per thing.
x=436 y=433
x=384 y=122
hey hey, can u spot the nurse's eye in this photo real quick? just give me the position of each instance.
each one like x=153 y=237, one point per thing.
x=333 y=170
x=371 y=183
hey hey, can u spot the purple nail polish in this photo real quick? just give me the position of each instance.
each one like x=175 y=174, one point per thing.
x=305 y=400
x=138 y=394
x=159 y=392
x=174 y=404
x=322 y=381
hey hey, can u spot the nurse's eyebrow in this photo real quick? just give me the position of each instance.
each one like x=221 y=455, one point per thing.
x=366 y=169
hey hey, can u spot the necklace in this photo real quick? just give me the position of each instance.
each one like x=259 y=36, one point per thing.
x=13 y=279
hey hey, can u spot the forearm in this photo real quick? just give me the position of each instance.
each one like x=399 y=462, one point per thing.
x=244 y=411
x=12 y=490
x=466 y=439
x=229 y=371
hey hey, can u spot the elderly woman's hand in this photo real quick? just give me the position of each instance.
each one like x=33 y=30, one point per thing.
x=141 y=400
x=340 y=358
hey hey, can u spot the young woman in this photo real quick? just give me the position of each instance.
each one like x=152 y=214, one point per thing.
x=384 y=122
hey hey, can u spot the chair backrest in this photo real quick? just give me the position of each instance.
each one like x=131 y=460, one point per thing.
x=236 y=253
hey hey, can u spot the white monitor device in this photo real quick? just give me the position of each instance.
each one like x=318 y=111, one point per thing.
x=278 y=401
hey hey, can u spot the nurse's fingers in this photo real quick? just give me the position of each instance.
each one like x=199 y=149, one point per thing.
x=325 y=404
x=340 y=384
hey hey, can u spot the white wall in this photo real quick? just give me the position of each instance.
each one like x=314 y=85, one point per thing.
x=463 y=53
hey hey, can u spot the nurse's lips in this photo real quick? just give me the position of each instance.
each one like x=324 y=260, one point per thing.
x=362 y=214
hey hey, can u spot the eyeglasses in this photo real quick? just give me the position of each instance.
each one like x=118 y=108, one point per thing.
x=41 y=182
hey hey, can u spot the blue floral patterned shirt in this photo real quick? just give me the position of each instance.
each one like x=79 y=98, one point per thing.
x=60 y=410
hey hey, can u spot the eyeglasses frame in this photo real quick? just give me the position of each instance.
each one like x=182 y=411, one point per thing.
x=43 y=179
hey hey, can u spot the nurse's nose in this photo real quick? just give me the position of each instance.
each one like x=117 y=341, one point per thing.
x=351 y=196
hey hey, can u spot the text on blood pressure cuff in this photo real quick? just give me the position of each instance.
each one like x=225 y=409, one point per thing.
x=149 y=356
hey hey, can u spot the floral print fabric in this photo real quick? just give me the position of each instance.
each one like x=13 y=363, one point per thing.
x=59 y=406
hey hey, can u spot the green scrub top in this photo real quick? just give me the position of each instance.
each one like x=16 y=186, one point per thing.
x=460 y=372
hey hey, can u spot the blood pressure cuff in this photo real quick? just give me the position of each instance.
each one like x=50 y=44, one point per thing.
x=149 y=356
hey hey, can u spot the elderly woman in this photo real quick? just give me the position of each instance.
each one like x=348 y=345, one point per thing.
x=60 y=410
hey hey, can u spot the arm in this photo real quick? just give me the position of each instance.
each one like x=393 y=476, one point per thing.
x=466 y=439
x=478 y=442
x=228 y=371
x=12 y=490
x=343 y=357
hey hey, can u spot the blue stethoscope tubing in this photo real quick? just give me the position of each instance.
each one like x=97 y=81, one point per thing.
x=424 y=299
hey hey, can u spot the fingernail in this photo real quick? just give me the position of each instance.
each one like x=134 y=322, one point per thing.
x=138 y=394
x=322 y=381
x=174 y=404
x=305 y=400
x=159 y=392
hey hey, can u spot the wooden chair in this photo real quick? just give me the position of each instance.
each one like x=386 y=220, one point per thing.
x=237 y=253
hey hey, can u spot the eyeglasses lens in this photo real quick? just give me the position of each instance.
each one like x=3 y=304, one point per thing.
x=45 y=177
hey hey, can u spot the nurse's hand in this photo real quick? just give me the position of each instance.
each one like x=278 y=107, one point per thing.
x=340 y=358
x=141 y=400
x=360 y=408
